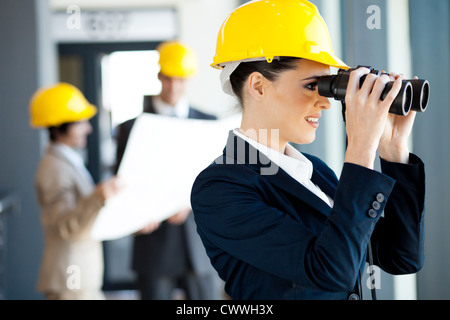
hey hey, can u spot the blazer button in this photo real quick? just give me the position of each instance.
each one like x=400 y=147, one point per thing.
x=380 y=197
x=372 y=213
x=353 y=296
x=376 y=205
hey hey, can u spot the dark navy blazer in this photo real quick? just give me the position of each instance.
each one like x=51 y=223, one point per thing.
x=269 y=237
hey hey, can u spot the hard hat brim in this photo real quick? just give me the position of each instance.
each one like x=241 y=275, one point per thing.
x=90 y=111
x=324 y=58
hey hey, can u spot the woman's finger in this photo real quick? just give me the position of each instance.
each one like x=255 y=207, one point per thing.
x=378 y=88
x=393 y=92
x=369 y=84
x=354 y=80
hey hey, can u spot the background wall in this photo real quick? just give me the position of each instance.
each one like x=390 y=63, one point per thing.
x=430 y=41
x=413 y=38
x=27 y=62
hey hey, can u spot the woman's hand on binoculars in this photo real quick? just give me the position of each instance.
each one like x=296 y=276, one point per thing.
x=367 y=115
x=393 y=145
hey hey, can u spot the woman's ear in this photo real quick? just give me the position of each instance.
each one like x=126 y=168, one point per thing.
x=255 y=85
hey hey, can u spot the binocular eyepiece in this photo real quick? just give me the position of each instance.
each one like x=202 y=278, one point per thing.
x=414 y=94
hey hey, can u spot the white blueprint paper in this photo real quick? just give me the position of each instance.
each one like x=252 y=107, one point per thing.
x=162 y=158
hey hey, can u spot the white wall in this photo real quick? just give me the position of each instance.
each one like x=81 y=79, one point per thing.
x=199 y=24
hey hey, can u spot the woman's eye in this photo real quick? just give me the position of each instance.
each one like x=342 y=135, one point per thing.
x=311 y=86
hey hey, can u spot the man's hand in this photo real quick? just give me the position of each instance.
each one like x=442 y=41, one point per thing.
x=179 y=217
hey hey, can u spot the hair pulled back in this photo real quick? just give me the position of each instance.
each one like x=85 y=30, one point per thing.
x=271 y=71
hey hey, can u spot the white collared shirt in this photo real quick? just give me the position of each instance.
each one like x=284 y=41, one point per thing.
x=293 y=162
x=180 y=110
x=74 y=158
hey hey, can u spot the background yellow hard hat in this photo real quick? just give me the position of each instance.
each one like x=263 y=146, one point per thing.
x=177 y=60
x=58 y=104
x=273 y=28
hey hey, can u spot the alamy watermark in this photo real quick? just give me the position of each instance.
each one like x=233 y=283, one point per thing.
x=374 y=20
x=73 y=21
x=97 y=24
x=374 y=279
x=74 y=279
x=238 y=153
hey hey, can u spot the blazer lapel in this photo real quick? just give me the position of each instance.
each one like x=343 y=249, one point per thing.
x=238 y=149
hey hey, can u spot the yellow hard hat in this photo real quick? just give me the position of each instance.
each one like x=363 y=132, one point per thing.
x=58 y=104
x=177 y=60
x=275 y=28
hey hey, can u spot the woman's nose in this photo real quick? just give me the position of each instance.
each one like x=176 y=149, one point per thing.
x=324 y=103
x=88 y=127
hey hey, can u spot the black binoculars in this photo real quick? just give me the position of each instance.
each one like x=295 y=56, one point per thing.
x=414 y=94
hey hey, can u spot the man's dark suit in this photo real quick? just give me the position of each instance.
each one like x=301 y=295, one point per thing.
x=171 y=251
x=271 y=238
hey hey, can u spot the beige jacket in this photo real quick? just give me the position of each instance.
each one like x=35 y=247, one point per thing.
x=71 y=260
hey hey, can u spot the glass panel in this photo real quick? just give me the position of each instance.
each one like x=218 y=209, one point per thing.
x=126 y=77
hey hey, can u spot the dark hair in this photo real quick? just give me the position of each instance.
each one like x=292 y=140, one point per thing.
x=270 y=71
x=56 y=131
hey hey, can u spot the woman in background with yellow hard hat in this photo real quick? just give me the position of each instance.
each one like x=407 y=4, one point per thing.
x=276 y=223
x=72 y=262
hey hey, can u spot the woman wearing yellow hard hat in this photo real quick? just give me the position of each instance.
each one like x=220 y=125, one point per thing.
x=277 y=223
x=72 y=262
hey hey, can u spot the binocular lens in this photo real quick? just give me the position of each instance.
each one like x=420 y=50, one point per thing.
x=403 y=102
x=421 y=89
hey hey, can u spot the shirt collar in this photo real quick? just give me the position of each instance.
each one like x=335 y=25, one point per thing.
x=292 y=161
x=180 y=110
x=73 y=157
x=70 y=154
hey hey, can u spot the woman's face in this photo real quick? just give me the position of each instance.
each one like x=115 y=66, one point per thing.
x=76 y=135
x=293 y=104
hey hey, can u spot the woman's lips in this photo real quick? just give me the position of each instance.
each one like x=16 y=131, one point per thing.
x=313 y=121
